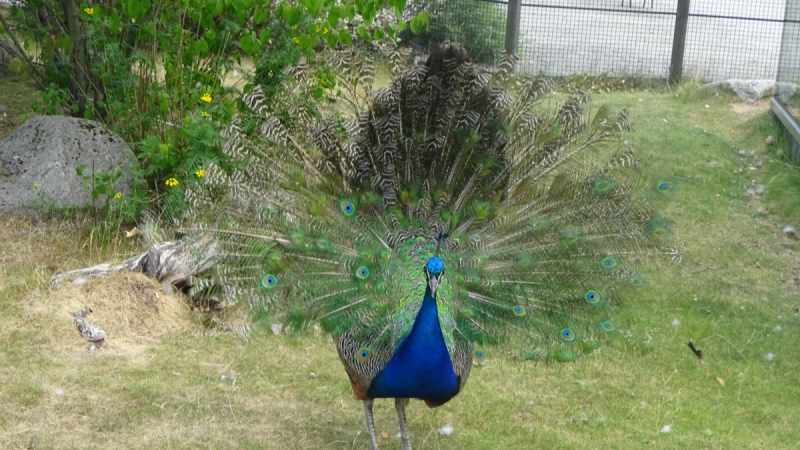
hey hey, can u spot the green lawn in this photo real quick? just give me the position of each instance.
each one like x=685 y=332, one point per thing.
x=736 y=284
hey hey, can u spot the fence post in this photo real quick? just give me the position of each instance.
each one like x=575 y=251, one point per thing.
x=679 y=42
x=512 y=25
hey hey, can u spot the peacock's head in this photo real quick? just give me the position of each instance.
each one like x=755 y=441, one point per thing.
x=434 y=270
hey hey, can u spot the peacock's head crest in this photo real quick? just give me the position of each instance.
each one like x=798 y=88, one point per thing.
x=434 y=270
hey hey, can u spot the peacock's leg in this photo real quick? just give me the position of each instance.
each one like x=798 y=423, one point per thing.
x=400 y=405
x=373 y=444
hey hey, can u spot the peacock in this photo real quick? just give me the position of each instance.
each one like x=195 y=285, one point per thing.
x=444 y=218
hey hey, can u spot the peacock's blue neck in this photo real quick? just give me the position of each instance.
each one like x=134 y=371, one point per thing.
x=421 y=367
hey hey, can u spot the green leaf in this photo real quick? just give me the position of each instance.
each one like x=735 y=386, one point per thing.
x=314 y=6
x=332 y=39
x=368 y=13
x=402 y=25
x=264 y=35
x=79 y=170
x=75 y=109
x=113 y=21
x=333 y=16
x=294 y=15
x=363 y=33
x=344 y=37
x=378 y=34
x=416 y=25
x=101 y=189
x=67 y=45
x=201 y=47
x=246 y=43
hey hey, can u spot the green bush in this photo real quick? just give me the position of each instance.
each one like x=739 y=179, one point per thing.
x=153 y=71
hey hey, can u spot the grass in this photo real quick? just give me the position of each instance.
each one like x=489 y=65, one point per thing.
x=735 y=285
x=17 y=93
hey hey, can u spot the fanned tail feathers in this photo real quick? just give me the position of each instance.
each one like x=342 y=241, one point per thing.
x=335 y=226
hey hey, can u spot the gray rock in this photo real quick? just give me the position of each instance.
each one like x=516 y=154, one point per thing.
x=3 y=108
x=750 y=90
x=45 y=151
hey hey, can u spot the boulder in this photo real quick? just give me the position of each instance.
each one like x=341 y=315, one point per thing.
x=38 y=162
x=748 y=90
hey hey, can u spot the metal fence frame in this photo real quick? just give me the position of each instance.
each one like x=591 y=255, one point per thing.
x=713 y=37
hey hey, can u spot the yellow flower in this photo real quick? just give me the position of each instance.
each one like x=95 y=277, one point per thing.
x=296 y=40
x=89 y=11
x=294 y=27
x=205 y=114
x=172 y=182
x=325 y=31
x=36 y=186
x=317 y=28
x=206 y=97
x=200 y=173
x=118 y=196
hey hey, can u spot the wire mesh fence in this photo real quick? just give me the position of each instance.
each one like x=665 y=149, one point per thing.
x=725 y=39
x=788 y=78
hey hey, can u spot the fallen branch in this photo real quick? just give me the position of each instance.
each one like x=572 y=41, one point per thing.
x=168 y=262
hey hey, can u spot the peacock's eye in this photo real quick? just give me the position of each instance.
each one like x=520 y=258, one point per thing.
x=347 y=207
x=592 y=297
x=362 y=272
x=268 y=281
x=608 y=326
x=519 y=311
x=363 y=355
x=609 y=262
x=567 y=335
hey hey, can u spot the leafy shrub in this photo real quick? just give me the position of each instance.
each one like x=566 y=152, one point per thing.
x=154 y=71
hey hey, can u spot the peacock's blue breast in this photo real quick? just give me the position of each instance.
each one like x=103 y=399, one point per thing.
x=421 y=368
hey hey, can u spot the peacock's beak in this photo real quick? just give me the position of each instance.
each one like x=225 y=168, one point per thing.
x=433 y=282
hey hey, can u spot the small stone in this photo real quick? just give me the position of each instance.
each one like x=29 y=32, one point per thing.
x=177 y=374
x=676 y=323
x=751 y=153
x=761 y=189
x=574 y=420
x=633 y=395
x=770 y=357
x=60 y=392
x=790 y=231
x=446 y=430
x=777 y=328
x=751 y=192
x=666 y=429
x=197 y=85
x=79 y=281
x=742 y=152
x=769 y=140
x=276 y=328
x=759 y=164
x=312 y=375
